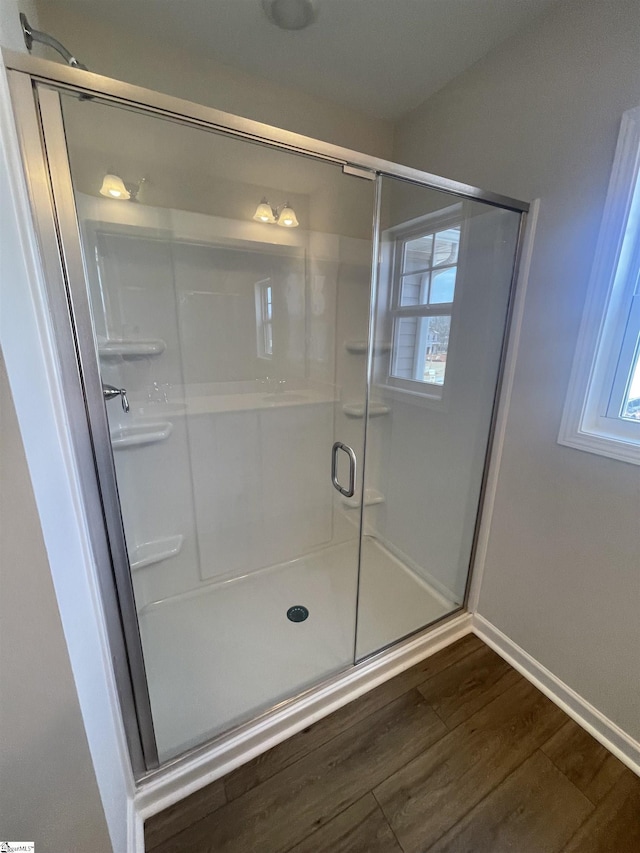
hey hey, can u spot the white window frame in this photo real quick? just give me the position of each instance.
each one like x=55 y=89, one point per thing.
x=398 y=236
x=611 y=321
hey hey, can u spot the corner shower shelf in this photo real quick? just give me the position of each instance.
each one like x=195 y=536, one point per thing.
x=135 y=436
x=155 y=552
x=130 y=349
x=357 y=410
x=372 y=497
x=362 y=346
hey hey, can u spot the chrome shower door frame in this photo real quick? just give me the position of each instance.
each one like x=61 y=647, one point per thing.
x=35 y=87
x=42 y=142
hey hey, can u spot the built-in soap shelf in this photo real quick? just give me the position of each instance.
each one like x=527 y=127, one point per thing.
x=359 y=347
x=372 y=497
x=139 y=434
x=149 y=553
x=130 y=349
x=357 y=410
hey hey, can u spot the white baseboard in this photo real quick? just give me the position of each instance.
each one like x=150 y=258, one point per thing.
x=195 y=771
x=611 y=736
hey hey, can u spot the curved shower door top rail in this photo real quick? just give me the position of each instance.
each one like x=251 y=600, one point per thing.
x=108 y=89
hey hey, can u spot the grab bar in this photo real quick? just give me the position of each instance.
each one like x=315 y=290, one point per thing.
x=348 y=493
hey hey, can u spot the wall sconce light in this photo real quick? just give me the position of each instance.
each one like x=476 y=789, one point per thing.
x=114 y=187
x=283 y=214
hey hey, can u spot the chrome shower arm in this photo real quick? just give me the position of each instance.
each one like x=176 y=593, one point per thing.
x=31 y=35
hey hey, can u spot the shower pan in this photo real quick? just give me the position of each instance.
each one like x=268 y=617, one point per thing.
x=283 y=431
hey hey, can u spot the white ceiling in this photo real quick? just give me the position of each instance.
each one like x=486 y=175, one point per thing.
x=381 y=56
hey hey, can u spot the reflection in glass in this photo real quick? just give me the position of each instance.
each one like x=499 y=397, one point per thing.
x=264 y=318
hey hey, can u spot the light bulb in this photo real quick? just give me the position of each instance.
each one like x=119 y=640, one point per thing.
x=288 y=218
x=113 y=187
x=264 y=213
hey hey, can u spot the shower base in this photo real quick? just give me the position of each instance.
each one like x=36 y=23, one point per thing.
x=225 y=652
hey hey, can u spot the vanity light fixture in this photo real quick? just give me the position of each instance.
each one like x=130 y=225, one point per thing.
x=114 y=187
x=265 y=213
x=283 y=214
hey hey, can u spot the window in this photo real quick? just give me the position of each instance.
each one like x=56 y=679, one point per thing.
x=602 y=412
x=264 y=318
x=425 y=266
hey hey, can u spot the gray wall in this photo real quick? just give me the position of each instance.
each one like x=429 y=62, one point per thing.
x=48 y=792
x=142 y=59
x=539 y=117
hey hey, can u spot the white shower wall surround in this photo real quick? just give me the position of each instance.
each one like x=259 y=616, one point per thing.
x=289 y=460
x=228 y=500
x=243 y=495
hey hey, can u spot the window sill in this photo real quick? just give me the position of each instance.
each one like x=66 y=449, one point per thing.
x=416 y=398
x=613 y=447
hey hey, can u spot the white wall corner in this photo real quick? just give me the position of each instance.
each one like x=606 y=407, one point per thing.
x=26 y=336
x=606 y=732
x=513 y=345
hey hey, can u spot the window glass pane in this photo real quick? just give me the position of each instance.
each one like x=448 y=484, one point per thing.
x=420 y=348
x=414 y=290
x=443 y=283
x=631 y=406
x=418 y=254
x=447 y=244
x=434 y=336
x=404 y=347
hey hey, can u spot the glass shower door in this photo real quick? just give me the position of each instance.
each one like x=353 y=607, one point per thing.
x=229 y=287
x=444 y=285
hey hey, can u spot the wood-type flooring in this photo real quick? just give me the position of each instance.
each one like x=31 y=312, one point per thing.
x=459 y=754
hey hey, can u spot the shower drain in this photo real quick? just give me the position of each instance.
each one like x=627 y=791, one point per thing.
x=297 y=613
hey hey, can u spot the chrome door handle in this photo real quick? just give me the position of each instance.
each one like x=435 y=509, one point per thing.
x=110 y=391
x=348 y=493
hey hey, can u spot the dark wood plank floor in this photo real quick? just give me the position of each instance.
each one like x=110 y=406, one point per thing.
x=459 y=754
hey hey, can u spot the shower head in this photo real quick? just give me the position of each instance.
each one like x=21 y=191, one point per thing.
x=31 y=35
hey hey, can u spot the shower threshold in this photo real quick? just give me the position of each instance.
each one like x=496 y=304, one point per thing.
x=224 y=653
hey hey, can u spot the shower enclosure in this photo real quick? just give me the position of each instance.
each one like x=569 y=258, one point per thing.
x=284 y=417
